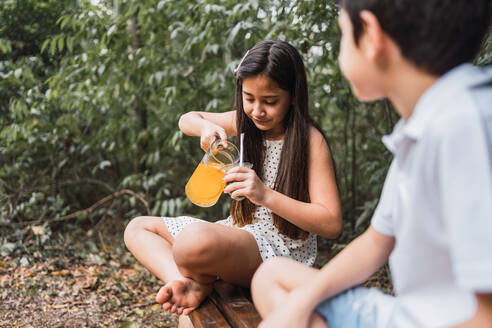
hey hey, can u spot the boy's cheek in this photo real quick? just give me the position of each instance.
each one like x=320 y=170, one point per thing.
x=346 y=62
x=365 y=91
x=358 y=76
x=345 y=68
x=358 y=84
x=357 y=93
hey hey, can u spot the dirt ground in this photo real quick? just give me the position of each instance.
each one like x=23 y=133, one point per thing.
x=91 y=280
x=78 y=279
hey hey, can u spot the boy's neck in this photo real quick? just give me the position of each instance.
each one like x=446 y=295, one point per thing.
x=406 y=85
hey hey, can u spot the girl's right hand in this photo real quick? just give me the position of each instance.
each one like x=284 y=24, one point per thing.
x=243 y=182
x=208 y=134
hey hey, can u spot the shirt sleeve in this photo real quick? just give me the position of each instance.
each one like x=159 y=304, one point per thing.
x=465 y=187
x=382 y=220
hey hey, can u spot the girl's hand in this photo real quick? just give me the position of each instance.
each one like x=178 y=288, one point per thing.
x=208 y=134
x=243 y=181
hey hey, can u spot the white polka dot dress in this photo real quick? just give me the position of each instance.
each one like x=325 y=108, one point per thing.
x=270 y=241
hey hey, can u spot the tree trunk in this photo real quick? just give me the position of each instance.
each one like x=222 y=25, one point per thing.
x=139 y=106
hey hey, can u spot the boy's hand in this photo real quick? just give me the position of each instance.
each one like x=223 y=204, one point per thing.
x=243 y=181
x=286 y=319
x=288 y=314
x=208 y=134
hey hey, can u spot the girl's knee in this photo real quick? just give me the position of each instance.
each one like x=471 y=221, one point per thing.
x=136 y=225
x=195 y=245
x=131 y=228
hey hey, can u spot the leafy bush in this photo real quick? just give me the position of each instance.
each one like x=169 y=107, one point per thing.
x=91 y=106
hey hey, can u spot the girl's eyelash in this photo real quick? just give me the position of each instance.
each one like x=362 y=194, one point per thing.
x=266 y=102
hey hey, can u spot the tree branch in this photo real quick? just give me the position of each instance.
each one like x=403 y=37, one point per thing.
x=95 y=206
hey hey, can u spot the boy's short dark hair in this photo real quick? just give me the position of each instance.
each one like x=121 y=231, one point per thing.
x=436 y=35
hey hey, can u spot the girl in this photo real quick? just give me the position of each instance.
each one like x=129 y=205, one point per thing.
x=290 y=196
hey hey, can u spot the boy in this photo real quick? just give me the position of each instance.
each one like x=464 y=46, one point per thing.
x=434 y=218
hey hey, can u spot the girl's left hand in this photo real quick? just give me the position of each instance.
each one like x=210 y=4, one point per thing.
x=244 y=182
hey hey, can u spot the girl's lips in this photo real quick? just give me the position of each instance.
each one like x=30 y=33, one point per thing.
x=260 y=121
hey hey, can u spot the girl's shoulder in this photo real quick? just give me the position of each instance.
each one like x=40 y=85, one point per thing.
x=316 y=137
x=318 y=144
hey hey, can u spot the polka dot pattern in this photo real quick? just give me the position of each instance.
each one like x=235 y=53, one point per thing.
x=270 y=241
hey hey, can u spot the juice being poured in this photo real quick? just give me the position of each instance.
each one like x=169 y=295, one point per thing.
x=205 y=185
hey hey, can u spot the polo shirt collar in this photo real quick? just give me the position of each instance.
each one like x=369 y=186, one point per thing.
x=462 y=76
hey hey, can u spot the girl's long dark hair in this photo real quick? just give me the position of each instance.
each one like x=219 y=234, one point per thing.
x=281 y=62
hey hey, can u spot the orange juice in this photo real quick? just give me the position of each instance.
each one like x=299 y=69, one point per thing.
x=205 y=185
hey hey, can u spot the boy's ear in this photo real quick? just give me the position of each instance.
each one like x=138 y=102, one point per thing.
x=373 y=37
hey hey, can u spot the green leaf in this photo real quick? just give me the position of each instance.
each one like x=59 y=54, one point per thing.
x=65 y=21
x=61 y=43
x=53 y=46
x=129 y=324
x=70 y=44
x=45 y=44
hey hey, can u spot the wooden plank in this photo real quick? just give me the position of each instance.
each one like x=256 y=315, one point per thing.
x=207 y=316
x=234 y=304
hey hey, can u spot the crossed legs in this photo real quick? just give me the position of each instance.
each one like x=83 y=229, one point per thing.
x=192 y=261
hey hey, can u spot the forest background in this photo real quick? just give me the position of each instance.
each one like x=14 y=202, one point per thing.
x=90 y=97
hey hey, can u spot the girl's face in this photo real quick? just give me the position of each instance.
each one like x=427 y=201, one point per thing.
x=266 y=104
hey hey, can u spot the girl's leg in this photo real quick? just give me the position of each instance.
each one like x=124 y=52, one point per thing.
x=191 y=262
x=279 y=276
x=204 y=251
x=151 y=243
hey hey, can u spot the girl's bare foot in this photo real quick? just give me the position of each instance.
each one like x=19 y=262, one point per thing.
x=182 y=296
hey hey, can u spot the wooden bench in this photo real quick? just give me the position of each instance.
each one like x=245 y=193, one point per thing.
x=228 y=306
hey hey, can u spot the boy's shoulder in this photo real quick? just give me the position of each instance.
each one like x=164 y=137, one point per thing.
x=463 y=111
x=464 y=90
x=460 y=101
x=463 y=94
x=461 y=80
x=467 y=76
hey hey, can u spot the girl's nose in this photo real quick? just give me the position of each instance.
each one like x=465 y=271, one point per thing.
x=257 y=109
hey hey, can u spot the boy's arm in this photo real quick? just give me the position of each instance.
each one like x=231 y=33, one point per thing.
x=483 y=316
x=352 y=266
x=359 y=260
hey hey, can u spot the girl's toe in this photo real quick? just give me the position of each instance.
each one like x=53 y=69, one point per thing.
x=187 y=311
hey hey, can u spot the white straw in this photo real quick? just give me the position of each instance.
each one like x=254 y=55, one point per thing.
x=241 y=150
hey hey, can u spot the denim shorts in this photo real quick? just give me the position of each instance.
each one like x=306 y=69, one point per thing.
x=358 y=307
